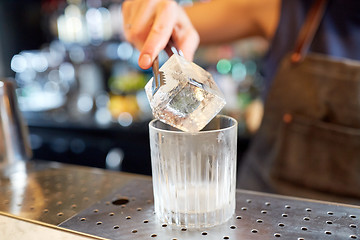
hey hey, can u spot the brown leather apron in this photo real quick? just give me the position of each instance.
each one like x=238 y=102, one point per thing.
x=308 y=144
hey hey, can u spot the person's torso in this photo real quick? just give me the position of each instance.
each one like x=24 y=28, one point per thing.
x=338 y=34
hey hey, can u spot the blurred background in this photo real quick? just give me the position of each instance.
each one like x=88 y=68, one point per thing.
x=80 y=89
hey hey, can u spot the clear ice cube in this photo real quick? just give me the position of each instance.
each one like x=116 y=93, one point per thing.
x=188 y=99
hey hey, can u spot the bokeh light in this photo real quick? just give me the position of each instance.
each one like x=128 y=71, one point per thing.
x=223 y=66
x=39 y=62
x=67 y=71
x=103 y=116
x=125 y=119
x=85 y=103
x=18 y=63
x=238 y=72
x=125 y=51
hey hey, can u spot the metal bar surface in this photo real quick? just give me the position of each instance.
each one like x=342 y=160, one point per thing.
x=52 y=192
x=12 y=227
x=129 y=214
x=118 y=205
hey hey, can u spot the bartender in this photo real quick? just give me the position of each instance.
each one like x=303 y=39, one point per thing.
x=308 y=143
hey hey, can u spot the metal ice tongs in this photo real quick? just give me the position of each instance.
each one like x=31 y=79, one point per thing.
x=159 y=77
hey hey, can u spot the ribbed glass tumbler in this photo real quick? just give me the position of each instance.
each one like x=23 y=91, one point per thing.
x=194 y=174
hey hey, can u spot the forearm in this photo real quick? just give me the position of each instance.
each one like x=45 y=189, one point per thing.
x=219 y=21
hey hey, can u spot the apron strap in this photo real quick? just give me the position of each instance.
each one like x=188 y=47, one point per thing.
x=308 y=30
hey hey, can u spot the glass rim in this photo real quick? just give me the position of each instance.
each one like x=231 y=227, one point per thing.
x=178 y=131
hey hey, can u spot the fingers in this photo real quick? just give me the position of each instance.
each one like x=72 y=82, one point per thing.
x=129 y=9
x=141 y=20
x=149 y=24
x=186 y=37
x=126 y=10
x=160 y=33
x=189 y=44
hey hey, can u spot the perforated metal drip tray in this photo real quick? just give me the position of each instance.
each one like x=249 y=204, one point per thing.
x=129 y=214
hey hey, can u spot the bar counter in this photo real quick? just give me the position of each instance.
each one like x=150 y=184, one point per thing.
x=43 y=200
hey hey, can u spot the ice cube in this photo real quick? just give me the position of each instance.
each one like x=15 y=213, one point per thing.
x=188 y=99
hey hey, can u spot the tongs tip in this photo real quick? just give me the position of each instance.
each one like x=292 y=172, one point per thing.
x=159 y=77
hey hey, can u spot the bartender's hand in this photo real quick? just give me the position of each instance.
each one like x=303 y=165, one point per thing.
x=149 y=24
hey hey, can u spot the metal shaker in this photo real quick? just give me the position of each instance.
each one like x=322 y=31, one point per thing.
x=14 y=136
